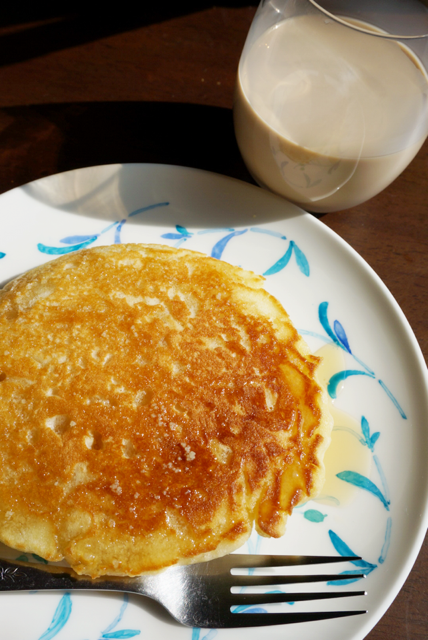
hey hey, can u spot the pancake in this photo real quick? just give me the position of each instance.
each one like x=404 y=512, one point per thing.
x=155 y=404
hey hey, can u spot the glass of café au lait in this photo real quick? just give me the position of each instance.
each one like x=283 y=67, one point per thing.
x=331 y=100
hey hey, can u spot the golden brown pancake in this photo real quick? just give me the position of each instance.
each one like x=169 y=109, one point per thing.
x=154 y=404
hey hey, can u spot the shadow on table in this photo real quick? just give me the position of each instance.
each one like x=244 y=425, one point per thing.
x=39 y=28
x=41 y=140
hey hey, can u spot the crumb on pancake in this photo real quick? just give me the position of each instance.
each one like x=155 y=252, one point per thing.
x=154 y=404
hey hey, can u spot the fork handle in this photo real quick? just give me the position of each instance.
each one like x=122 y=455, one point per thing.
x=17 y=576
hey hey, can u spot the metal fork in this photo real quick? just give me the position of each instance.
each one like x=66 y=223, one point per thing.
x=197 y=595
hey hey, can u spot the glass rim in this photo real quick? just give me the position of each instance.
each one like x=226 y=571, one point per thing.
x=366 y=31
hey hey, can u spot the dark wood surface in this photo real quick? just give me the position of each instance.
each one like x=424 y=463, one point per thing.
x=79 y=88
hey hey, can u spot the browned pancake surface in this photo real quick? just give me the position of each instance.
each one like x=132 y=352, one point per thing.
x=154 y=403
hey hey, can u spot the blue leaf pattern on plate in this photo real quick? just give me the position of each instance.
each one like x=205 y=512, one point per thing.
x=119 y=616
x=382 y=478
x=118 y=230
x=78 y=239
x=183 y=231
x=39 y=558
x=181 y=235
x=60 y=251
x=373 y=440
x=313 y=515
x=365 y=428
x=341 y=547
x=341 y=335
x=363 y=483
x=394 y=400
x=322 y=315
x=343 y=550
x=249 y=609
x=280 y=264
x=219 y=247
x=172 y=236
x=77 y=242
x=84 y=241
x=301 y=260
x=339 y=338
x=60 y=618
x=369 y=440
x=339 y=377
x=122 y=633
x=387 y=542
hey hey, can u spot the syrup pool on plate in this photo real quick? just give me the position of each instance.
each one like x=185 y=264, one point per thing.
x=328 y=116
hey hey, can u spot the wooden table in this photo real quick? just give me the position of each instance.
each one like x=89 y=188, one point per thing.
x=80 y=89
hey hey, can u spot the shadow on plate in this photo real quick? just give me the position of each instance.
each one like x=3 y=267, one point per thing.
x=66 y=137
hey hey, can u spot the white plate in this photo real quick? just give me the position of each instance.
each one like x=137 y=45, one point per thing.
x=333 y=297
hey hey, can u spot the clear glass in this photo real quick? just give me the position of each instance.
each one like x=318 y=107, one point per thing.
x=331 y=100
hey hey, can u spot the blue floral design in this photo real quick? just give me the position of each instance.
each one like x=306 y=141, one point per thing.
x=219 y=247
x=24 y=558
x=249 y=609
x=313 y=515
x=122 y=633
x=301 y=261
x=63 y=612
x=387 y=542
x=182 y=234
x=369 y=440
x=364 y=483
x=79 y=242
x=338 y=336
x=343 y=549
x=60 y=618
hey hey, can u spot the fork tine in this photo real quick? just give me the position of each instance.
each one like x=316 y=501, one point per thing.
x=259 y=581
x=269 y=619
x=251 y=599
x=245 y=560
